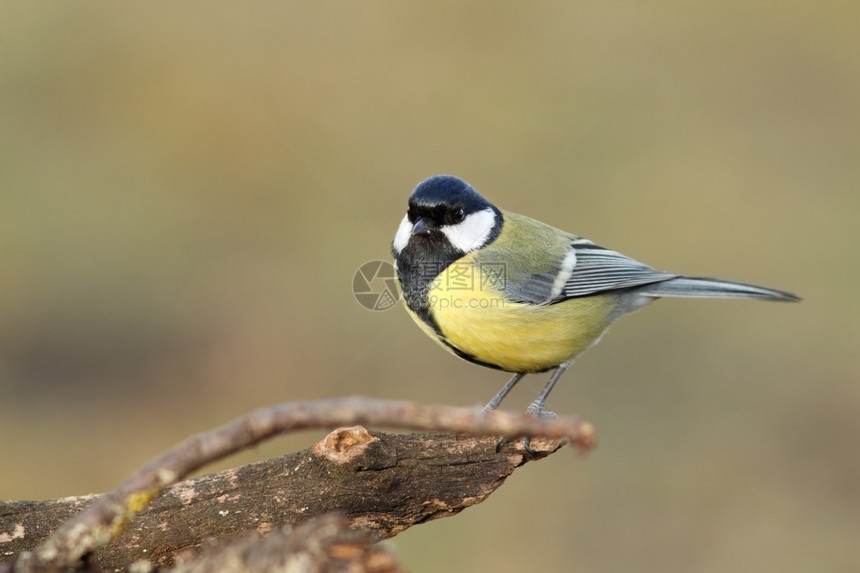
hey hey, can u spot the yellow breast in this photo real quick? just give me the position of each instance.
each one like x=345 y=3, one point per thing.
x=466 y=303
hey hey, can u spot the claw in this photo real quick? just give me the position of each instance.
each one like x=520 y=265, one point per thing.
x=535 y=409
x=527 y=445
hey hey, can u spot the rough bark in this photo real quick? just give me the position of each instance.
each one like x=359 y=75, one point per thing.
x=380 y=483
x=323 y=544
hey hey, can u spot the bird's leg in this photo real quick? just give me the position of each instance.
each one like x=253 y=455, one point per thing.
x=509 y=385
x=536 y=407
x=497 y=399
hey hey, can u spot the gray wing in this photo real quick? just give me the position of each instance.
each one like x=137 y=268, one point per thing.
x=598 y=269
x=586 y=269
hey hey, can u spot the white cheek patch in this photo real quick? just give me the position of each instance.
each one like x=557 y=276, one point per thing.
x=473 y=232
x=401 y=238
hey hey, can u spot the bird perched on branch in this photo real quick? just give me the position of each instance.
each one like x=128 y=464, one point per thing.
x=509 y=292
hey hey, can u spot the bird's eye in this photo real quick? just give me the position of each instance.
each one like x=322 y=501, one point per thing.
x=459 y=215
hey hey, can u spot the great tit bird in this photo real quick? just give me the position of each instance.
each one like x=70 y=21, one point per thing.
x=508 y=292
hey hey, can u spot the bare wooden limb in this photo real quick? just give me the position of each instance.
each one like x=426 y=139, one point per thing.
x=106 y=518
x=324 y=544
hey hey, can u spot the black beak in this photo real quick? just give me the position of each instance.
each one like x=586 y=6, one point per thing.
x=421 y=227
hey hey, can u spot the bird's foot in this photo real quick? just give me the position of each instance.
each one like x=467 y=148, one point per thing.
x=535 y=409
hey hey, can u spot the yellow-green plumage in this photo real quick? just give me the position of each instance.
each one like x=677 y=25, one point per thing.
x=520 y=337
x=474 y=315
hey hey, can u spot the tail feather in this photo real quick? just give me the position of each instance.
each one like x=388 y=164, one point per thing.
x=695 y=287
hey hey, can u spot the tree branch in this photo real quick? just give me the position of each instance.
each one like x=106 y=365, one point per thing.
x=320 y=545
x=382 y=482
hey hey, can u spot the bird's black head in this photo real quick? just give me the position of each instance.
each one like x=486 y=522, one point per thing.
x=444 y=200
x=446 y=209
x=445 y=219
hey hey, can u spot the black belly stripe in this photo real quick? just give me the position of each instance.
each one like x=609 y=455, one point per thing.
x=467 y=356
x=418 y=265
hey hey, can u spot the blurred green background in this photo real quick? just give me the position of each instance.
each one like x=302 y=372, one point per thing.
x=168 y=260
